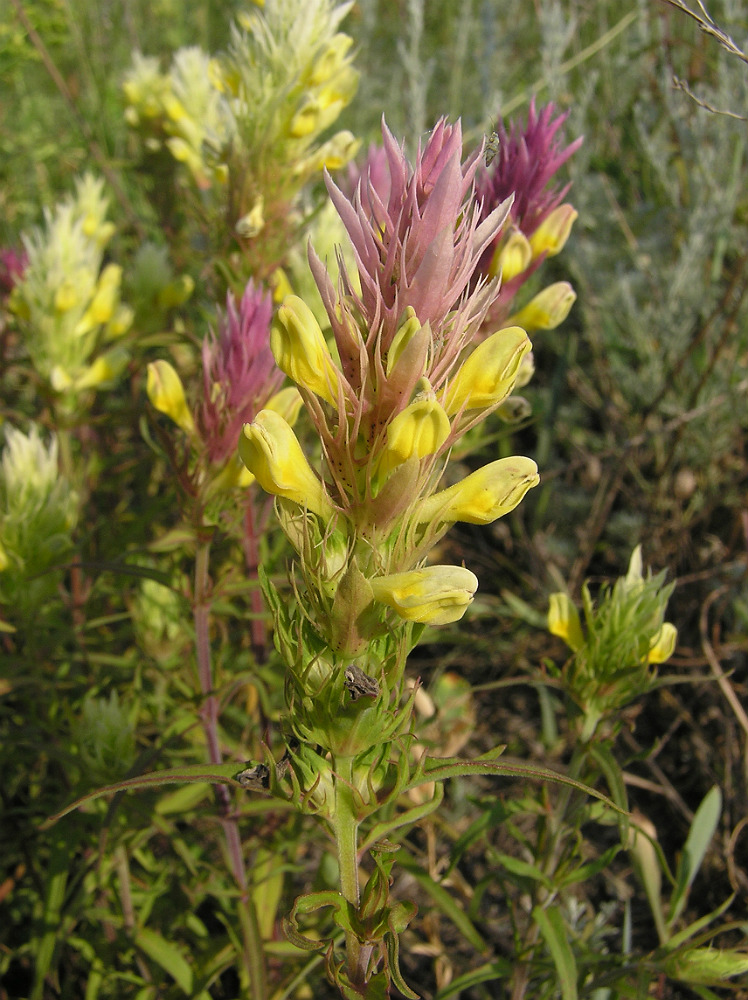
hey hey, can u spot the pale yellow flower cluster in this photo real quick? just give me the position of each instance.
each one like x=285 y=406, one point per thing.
x=256 y=112
x=68 y=305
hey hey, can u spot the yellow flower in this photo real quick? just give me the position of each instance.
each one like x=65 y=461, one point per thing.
x=489 y=373
x=563 y=621
x=433 y=595
x=549 y=308
x=418 y=430
x=271 y=451
x=253 y=222
x=407 y=330
x=287 y=403
x=483 y=496
x=332 y=60
x=300 y=351
x=662 y=644
x=166 y=393
x=107 y=292
x=551 y=235
x=512 y=257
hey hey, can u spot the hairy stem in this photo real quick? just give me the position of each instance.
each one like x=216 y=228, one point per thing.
x=345 y=829
x=253 y=956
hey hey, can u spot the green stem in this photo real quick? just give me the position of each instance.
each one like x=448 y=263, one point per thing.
x=345 y=829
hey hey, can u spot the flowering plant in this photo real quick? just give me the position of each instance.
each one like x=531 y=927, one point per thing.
x=398 y=386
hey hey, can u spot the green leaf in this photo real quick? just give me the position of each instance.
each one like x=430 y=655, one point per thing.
x=392 y=945
x=516 y=866
x=498 y=969
x=57 y=879
x=443 y=900
x=168 y=956
x=441 y=768
x=552 y=928
x=699 y=837
x=586 y=871
x=217 y=774
x=382 y=830
x=699 y=925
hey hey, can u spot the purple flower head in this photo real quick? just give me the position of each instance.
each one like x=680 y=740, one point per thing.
x=526 y=160
x=239 y=371
x=416 y=245
x=372 y=171
x=12 y=265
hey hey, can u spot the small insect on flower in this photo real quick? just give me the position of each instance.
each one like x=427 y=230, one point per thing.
x=491 y=148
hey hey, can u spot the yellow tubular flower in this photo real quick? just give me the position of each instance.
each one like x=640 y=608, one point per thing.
x=434 y=595
x=489 y=373
x=332 y=60
x=563 y=621
x=548 y=309
x=107 y=293
x=271 y=451
x=166 y=393
x=418 y=430
x=662 y=645
x=551 y=235
x=300 y=351
x=512 y=257
x=483 y=496
x=287 y=403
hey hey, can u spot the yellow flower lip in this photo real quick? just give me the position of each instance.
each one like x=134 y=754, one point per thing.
x=484 y=495
x=166 y=393
x=271 y=452
x=551 y=235
x=548 y=309
x=489 y=373
x=512 y=257
x=418 y=430
x=300 y=350
x=563 y=621
x=432 y=595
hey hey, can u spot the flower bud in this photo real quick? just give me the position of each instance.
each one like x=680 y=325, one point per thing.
x=563 y=621
x=483 y=496
x=300 y=351
x=551 y=235
x=548 y=309
x=489 y=373
x=433 y=595
x=405 y=333
x=271 y=451
x=166 y=393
